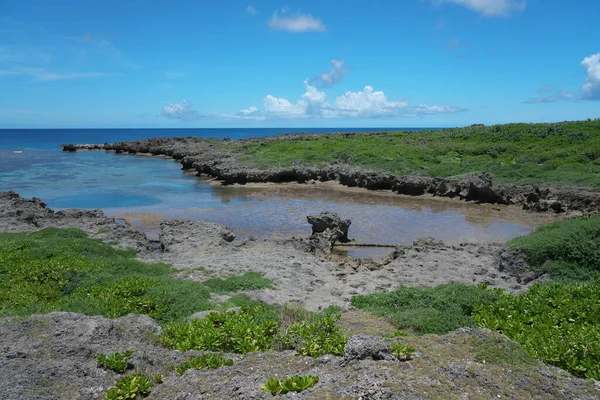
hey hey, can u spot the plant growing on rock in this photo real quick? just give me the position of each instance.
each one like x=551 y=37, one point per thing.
x=402 y=351
x=129 y=387
x=206 y=361
x=116 y=362
x=293 y=384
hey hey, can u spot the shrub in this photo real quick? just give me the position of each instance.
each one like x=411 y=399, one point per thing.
x=117 y=362
x=206 y=361
x=129 y=387
x=568 y=250
x=293 y=384
x=428 y=310
x=558 y=324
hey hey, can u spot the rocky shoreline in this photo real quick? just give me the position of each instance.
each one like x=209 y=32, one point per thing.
x=206 y=157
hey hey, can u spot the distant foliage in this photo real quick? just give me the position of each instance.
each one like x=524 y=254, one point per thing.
x=558 y=324
x=566 y=153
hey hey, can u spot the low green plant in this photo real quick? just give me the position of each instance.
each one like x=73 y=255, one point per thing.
x=319 y=337
x=248 y=281
x=293 y=384
x=401 y=351
x=206 y=361
x=568 y=250
x=130 y=387
x=240 y=331
x=440 y=309
x=116 y=362
x=394 y=335
x=556 y=323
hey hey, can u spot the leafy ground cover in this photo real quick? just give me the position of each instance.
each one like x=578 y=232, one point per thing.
x=566 y=153
x=556 y=323
x=440 y=309
x=63 y=269
x=567 y=250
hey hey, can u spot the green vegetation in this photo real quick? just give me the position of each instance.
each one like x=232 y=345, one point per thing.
x=556 y=323
x=568 y=250
x=116 y=362
x=256 y=328
x=206 y=361
x=565 y=153
x=402 y=351
x=248 y=281
x=63 y=270
x=130 y=387
x=319 y=337
x=440 y=309
x=293 y=384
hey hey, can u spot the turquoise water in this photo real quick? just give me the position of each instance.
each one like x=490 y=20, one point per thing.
x=32 y=164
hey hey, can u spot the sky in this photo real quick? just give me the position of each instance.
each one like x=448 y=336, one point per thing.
x=254 y=64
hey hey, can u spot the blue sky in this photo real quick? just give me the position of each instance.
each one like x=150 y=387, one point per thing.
x=197 y=63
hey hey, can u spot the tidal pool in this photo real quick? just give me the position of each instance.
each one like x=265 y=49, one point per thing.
x=146 y=189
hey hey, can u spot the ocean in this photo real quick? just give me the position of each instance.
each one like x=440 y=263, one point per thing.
x=145 y=190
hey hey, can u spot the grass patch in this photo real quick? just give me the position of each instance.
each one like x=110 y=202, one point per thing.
x=248 y=281
x=556 y=323
x=566 y=153
x=428 y=310
x=64 y=270
x=568 y=250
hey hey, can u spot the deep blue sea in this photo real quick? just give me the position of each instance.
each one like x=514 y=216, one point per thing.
x=33 y=164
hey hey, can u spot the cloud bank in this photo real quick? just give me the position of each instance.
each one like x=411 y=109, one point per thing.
x=313 y=104
x=332 y=77
x=591 y=87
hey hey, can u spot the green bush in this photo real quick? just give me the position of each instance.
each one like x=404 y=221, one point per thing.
x=116 y=362
x=568 y=250
x=206 y=361
x=440 y=309
x=293 y=384
x=558 y=324
x=129 y=387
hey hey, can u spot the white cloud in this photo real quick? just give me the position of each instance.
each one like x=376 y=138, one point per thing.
x=296 y=23
x=490 y=8
x=367 y=103
x=332 y=77
x=251 y=10
x=183 y=111
x=591 y=87
x=42 y=75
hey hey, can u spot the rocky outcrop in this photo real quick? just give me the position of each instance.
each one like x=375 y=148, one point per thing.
x=330 y=221
x=206 y=157
x=53 y=356
x=18 y=214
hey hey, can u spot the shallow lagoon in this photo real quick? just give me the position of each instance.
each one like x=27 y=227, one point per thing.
x=145 y=189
